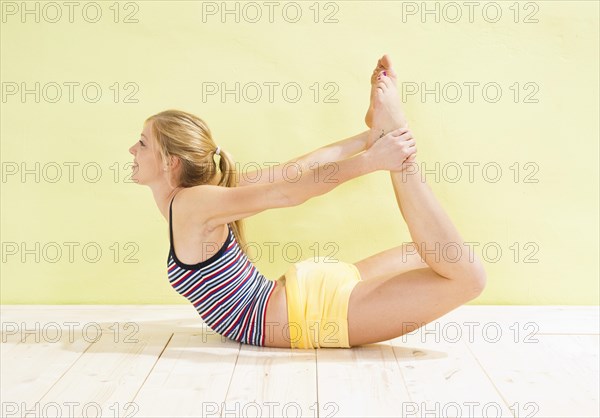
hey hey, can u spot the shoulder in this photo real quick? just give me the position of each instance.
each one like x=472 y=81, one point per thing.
x=197 y=204
x=190 y=215
x=214 y=206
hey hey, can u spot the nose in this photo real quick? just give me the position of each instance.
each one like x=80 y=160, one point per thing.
x=131 y=150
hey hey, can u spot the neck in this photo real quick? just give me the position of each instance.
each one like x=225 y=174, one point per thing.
x=163 y=196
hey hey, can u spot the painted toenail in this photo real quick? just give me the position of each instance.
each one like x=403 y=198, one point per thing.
x=385 y=74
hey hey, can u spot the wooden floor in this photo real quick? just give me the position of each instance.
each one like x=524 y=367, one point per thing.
x=147 y=361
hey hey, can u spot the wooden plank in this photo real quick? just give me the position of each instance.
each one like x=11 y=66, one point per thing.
x=272 y=382
x=167 y=318
x=107 y=376
x=517 y=324
x=191 y=378
x=361 y=381
x=32 y=366
x=9 y=342
x=444 y=379
x=530 y=319
x=556 y=376
x=472 y=358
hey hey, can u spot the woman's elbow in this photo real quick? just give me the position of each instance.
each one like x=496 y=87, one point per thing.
x=290 y=197
x=292 y=200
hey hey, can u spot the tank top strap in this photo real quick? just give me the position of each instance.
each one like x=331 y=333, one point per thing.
x=171 y=221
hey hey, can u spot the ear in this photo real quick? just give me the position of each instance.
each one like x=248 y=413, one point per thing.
x=174 y=161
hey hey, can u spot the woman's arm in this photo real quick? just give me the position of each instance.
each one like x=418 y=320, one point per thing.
x=334 y=152
x=216 y=205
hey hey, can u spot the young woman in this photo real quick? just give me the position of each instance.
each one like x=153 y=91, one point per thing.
x=316 y=303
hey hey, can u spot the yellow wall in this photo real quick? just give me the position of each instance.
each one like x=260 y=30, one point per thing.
x=549 y=133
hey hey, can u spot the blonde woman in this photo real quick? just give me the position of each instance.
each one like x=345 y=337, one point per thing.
x=316 y=302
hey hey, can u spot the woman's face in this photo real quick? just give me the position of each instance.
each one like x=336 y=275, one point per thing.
x=147 y=164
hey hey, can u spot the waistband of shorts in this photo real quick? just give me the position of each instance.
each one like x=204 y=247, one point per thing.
x=296 y=320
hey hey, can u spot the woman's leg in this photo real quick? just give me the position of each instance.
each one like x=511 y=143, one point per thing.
x=397 y=297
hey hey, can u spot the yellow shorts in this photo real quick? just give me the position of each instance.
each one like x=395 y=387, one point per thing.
x=318 y=291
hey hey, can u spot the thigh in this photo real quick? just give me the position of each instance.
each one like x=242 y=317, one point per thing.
x=390 y=263
x=382 y=309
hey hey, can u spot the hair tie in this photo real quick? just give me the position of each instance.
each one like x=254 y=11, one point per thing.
x=218 y=151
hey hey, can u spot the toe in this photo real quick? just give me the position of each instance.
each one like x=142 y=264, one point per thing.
x=387 y=64
x=385 y=81
x=386 y=61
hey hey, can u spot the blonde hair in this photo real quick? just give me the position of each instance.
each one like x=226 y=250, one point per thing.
x=184 y=135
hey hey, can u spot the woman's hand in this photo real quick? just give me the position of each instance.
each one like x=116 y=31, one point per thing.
x=393 y=150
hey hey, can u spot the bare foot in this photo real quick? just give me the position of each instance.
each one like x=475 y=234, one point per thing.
x=378 y=70
x=386 y=116
x=385 y=111
x=384 y=66
x=391 y=115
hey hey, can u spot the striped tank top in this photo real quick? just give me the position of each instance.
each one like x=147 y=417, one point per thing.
x=227 y=290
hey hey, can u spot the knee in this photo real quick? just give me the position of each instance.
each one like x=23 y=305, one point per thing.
x=476 y=281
